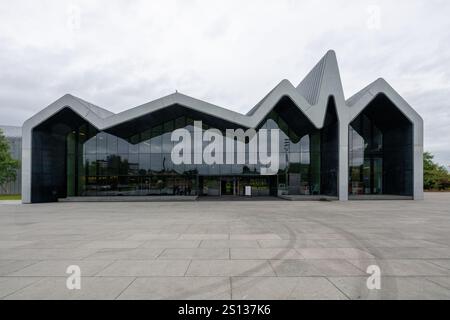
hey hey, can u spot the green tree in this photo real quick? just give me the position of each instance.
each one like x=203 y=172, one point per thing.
x=8 y=166
x=435 y=177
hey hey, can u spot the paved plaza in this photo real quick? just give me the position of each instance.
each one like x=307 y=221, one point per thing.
x=227 y=249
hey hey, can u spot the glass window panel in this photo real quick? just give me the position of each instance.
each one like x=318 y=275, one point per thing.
x=90 y=161
x=167 y=144
x=102 y=164
x=202 y=169
x=167 y=163
x=133 y=164
x=237 y=169
x=133 y=148
x=294 y=157
x=144 y=163
x=124 y=165
x=102 y=142
x=122 y=146
x=146 y=135
x=156 y=162
x=156 y=145
x=90 y=146
x=305 y=158
x=112 y=144
x=180 y=122
x=144 y=146
x=168 y=126
x=226 y=169
x=214 y=169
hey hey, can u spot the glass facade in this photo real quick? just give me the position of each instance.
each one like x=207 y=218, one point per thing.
x=366 y=157
x=380 y=151
x=100 y=163
x=72 y=158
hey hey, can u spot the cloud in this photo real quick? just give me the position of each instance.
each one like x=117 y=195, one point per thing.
x=119 y=54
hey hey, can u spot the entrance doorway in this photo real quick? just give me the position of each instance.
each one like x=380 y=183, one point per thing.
x=235 y=186
x=228 y=187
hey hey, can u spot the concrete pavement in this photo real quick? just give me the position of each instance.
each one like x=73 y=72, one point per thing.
x=227 y=250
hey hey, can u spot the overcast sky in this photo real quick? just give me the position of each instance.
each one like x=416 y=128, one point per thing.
x=120 y=54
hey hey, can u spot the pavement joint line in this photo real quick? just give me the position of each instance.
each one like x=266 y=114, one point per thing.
x=159 y=254
x=185 y=272
x=109 y=264
x=22 y=288
x=131 y=282
x=271 y=266
x=339 y=289
x=231 y=288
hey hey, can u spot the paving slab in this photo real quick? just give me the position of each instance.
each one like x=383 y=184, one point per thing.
x=145 y=268
x=334 y=253
x=229 y=244
x=444 y=263
x=262 y=236
x=392 y=288
x=113 y=244
x=153 y=236
x=5 y=244
x=10 y=266
x=264 y=254
x=441 y=281
x=9 y=285
x=45 y=254
x=57 y=268
x=178 y=288
x=126 y=254
x=195 y=254
x=413 y=253
x=301 y=268
x=270 y=288
x=226 y=268
x=171 y=244
x=403 y=267
x=204 y=236
x=55 y=288
x=291 y=243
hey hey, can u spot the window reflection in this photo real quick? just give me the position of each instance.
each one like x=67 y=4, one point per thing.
x=142 y=165
x=365 y=157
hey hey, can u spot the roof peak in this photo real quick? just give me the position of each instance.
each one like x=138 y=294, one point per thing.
x=327 y=67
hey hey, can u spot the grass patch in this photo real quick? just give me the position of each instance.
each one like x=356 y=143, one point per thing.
x=10 y=197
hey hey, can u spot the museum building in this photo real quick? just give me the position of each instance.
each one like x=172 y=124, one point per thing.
x=369 y=146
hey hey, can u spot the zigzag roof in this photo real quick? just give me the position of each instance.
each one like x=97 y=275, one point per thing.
x=310 y=96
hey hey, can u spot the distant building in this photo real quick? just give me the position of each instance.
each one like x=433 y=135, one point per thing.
x=14 y=137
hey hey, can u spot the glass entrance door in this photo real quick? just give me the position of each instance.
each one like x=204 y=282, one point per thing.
x=228 y=187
